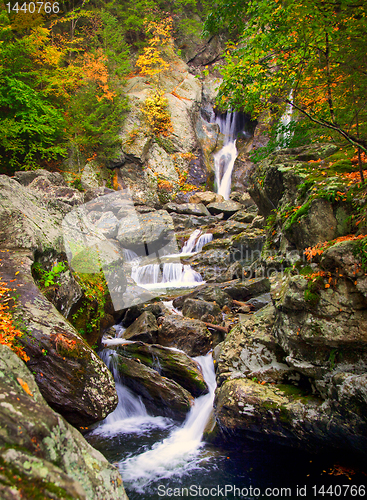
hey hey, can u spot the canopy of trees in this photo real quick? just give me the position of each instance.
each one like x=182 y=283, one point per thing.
x=62 y=72
x=308 y=53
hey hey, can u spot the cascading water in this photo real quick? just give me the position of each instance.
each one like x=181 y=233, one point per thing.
x=178 y=453
x=175 y=274
x=175 y=455
x=196 y=242
x=130 y=415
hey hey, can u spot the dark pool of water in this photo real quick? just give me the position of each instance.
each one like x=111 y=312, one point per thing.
x=250 y=472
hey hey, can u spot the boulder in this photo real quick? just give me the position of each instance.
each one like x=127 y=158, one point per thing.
x=41 y=455
x=189 y=335
x=56 y=193
x=108 y=224
x=144 y=328
x=243 y=216
x=25 y=221
x=151 y=228
x=228 y=208
x=203 y=310
x=319 y=224
x=206 y=292
x=26 y=177
x=158 y=309
x=228 y=227
x=169 y=363
x=251 y=350
x=187 y=208
x=247 y=289
x=206 y=197
x=160 y=395
x=182 y=221
x=71 y=377
x=246 y=409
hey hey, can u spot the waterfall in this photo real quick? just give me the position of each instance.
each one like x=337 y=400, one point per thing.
x=130 y=415
x=284 y=137
x=196 y=242
x=191 y=242
x=225 y=158
x=173 y=274
x=177 y=454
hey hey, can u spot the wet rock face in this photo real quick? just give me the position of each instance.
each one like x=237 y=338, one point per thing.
x=203 y=310
x=275 y=415
x=40 y=453
x=169 y=363
x=160 y=394
x=144 y=328
x=190 y=335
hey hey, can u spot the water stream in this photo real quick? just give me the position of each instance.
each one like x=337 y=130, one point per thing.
x=175 y=454
x=230 y=125
x=170 y=272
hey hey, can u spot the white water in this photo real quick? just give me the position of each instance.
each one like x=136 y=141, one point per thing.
x=196 y=242
x=130 y=416
x=178 y=453
x=172 y=274
x=225 y=158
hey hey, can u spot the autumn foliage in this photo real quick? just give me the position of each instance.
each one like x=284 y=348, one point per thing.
x=8 y=332
x=321 y=247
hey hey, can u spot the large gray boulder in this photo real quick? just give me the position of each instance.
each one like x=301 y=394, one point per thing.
x=41 y=455
x=71 y=377
x=189 y=335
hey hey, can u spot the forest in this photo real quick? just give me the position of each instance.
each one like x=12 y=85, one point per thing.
x=63 y=71
x=183 y=249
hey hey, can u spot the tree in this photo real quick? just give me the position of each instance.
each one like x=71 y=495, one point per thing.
x=314 y=48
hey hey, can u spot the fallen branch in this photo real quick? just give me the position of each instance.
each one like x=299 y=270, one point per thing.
x=238 y=303
x=222 y=329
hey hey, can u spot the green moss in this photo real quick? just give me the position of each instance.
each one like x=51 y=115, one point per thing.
x=312 y=298
x=360 y=251
x=31 y=488
x=303 y=210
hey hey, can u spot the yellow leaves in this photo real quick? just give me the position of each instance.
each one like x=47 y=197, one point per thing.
x=151 y=61
x=24 y=386
x=156 y=115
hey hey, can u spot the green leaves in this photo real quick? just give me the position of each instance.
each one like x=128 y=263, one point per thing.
x=316 y=48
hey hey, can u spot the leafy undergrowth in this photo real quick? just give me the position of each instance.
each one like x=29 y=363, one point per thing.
x=321 y=247
x=335 y=179
x=8 y=332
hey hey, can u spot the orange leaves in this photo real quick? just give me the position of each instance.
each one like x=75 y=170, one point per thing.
x=321 y=247
x=8 y=332
x=24 y=386
x=95 y=70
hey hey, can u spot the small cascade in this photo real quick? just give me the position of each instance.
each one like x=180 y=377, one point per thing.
x=129 y=255
x=173 y=274
x=230 y=125
x=191 y=242
x=196 y=242
x=203 y=240
x=130 y=415
x=284 y=137
x=178 y=453
x=146 y=275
